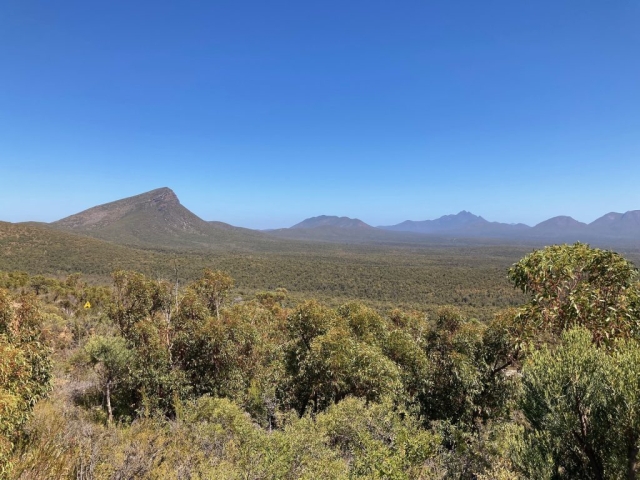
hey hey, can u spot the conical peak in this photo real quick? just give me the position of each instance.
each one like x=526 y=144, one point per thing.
x=162 y=195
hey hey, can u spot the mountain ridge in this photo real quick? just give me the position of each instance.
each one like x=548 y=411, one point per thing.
x=613 y=224
x=609 y=230
x=157 y=219
x=462 y=219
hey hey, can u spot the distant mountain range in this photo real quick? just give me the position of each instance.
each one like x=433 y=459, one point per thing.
x=611 y=226
x=610 y=229
x=157 y=220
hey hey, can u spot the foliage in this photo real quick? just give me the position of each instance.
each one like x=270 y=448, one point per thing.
x=213 y=288
x=112 y=358
x=465 y=381
x=331 y=355
x=25 y=368
x=423 y=277
x=214 y=438
x=582 y=405
x=195 y=378
x=573 y=285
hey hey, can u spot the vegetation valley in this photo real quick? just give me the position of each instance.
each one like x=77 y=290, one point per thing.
x=139 y=341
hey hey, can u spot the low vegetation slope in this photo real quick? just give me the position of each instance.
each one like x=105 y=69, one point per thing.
x=38 y=248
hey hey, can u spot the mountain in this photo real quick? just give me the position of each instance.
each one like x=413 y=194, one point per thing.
x=347 y=230
x=560 y=224
x=160 y=206
x=626 y=224
x=611 y=229
x=331 y=228
x=606 y=222
x=156 y=219
x=464 y=224
x=445 y=223
x=331 y=221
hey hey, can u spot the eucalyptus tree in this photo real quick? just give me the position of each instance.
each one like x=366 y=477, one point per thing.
x=576 y=285
x=213 y=287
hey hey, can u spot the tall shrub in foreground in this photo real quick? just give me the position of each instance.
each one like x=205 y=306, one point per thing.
x=25 y=368
x=582 y=406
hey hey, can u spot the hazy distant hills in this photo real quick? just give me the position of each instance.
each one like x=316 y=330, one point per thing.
x=610 y=229
x=463 y=224
x=624 y=227
x=332 y=221
x=157 y=219
x=448 y=223
x=612 y=226
x=560 y=226
x=621 y=224
x=334 y=229
x=329 y=228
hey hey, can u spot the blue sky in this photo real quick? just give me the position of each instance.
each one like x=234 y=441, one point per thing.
x=261 y=114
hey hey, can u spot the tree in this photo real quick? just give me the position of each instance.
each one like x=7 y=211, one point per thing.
x=133 y=301
x=330 y=356
x=576 y=285
x=464 y=382
x=39 y=283
x=143 y=311
x=25 y=367
x=111 y=358
x=214 y=286
x=218 y=356
x=582 y=406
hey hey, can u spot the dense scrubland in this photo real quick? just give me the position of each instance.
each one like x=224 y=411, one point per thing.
x=154 y=376
x=473 y=277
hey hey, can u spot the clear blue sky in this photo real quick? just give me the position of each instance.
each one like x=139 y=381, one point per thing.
x=261 y=114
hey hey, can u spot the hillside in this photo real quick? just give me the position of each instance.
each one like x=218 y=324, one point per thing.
x=466 y=227
x=156 y=219
x=333 y=229
x=38 y=248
